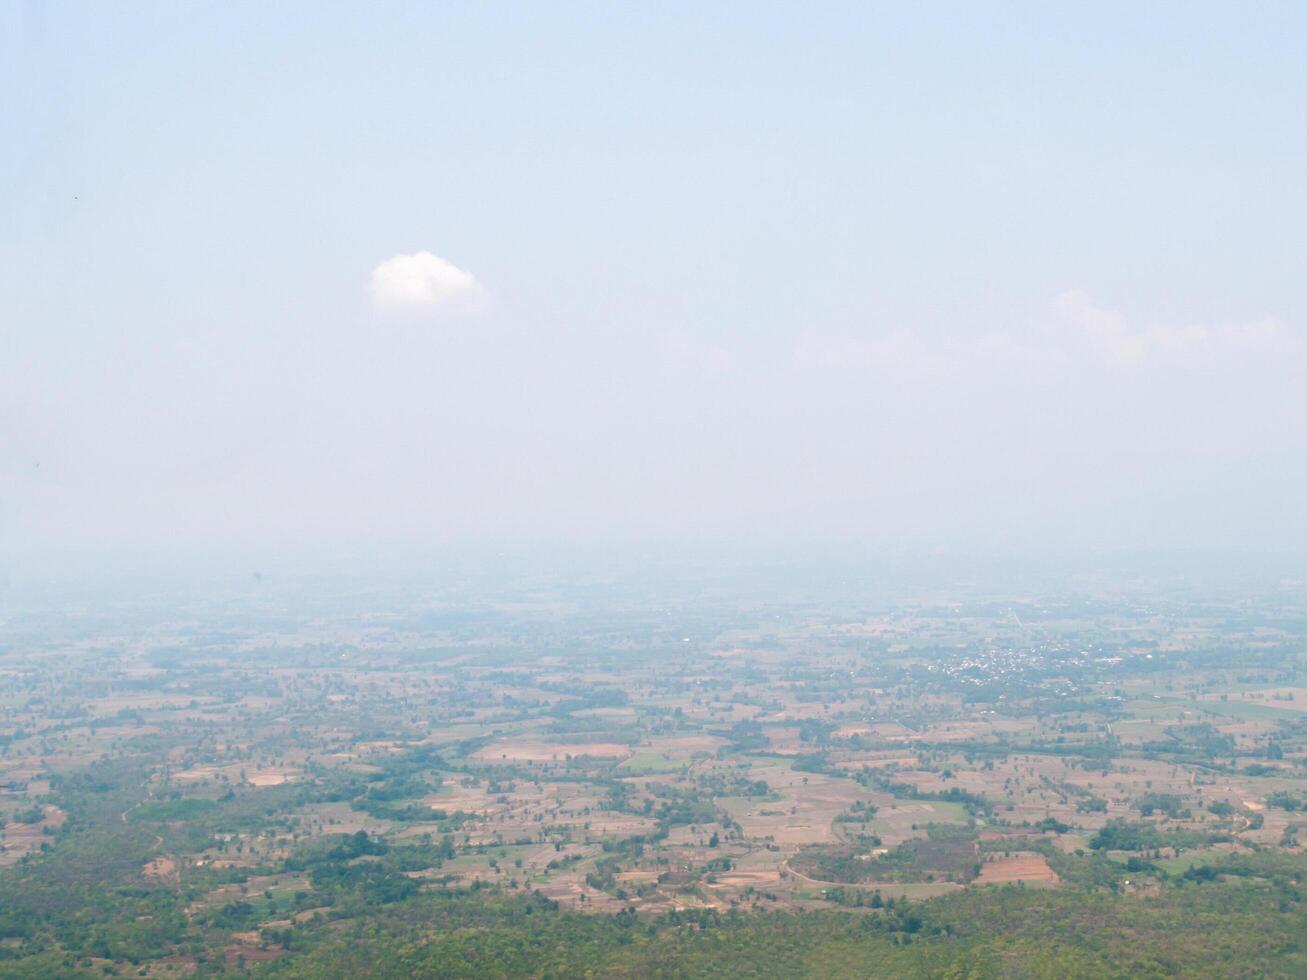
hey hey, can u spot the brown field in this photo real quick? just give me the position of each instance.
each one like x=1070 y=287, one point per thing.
x=18 y=839
x=1027 y=866
x=1285 y=698
x=551 y=751
x=160 y=868
x=742 y=879
x=261 y=776
x=271 y=776
x=688 y=744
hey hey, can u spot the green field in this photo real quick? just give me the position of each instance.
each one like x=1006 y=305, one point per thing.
x=651 y=761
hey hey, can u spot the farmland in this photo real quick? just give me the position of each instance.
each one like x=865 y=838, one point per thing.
x=857 y=772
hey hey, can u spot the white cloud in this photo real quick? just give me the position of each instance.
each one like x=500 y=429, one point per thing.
x=424 y=280
x=1120 y=344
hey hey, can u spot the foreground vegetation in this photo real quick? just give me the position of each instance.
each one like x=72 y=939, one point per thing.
x=1229 y=929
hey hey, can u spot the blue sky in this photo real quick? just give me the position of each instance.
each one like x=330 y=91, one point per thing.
x=1029 y=273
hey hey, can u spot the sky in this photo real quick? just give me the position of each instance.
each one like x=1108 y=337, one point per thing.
x=908 y=276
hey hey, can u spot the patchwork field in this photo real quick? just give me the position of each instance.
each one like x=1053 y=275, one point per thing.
x=363 y=777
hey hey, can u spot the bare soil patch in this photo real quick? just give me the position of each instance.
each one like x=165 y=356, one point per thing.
x=1028 y=867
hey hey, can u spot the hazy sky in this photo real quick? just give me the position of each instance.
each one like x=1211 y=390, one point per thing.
x=286 y=274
